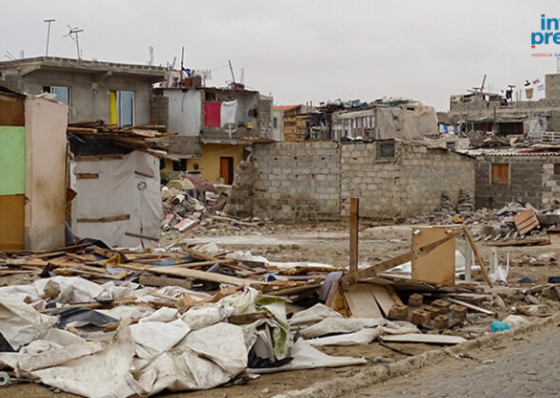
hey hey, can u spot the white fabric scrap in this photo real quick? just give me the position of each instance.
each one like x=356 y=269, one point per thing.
x=307 y=357
x=20 y=323
x=159 y=336
x=340 y=325
x=313 y=315
x=364 y=336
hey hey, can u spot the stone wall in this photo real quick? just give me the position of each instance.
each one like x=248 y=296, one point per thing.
x=531 y=179
x=315 y=180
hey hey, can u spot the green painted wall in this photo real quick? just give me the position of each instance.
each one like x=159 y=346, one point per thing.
x=12 y=160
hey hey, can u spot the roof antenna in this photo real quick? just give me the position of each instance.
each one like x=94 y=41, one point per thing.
x=48 y=34
x=231 y=70
x=151 y=61
x=75 y=31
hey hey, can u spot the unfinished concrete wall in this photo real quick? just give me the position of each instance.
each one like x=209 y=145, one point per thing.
x=315 y=180
x=45 y=182
x=552 y=86
x=526 y=179
x=89 y=92
x=159 y=110
x=296 y=181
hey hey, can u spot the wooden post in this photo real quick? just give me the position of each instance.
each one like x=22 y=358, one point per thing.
x=354 y=224
x=477 y=255
x=468 y=261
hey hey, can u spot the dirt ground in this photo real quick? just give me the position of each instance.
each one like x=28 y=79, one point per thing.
x=326 y=243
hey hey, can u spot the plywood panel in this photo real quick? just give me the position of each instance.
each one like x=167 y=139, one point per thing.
x=12 y=160
x=12 y=222
x=11 y=111
x=438 y=266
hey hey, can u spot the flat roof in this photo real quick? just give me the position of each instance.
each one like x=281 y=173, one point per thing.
x=29 y=65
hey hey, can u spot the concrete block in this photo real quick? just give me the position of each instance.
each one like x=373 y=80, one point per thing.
x=415 y=300
x=420 y=317
x=458 y=312
x=398 y=312
x=441 y=322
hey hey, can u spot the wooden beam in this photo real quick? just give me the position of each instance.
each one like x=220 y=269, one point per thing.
x=201 y=275
x=477 y=255
x=423 y=338
x=122 y=217
x=470 y=306
x=354 y=224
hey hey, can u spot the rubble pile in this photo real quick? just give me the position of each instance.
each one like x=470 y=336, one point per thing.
x=194 y=203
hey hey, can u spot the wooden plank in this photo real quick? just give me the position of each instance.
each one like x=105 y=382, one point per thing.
x=522 y=242
x=144 y=174
x=376 y=269
x=386 y=297
x=471 y=306
x=439 y=265
x=477 y=256
x=526 y=221
x=201 y=275
x=86 y=176
x=354 y=224
x=159 y=280
x=361 y=301
x=423 y=338
x=122 y=217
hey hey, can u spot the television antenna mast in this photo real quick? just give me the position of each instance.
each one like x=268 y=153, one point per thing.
x=48 y=21
x=74 y=32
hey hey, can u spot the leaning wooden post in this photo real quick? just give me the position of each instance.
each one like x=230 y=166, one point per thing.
x=477 y=256
x=354 y=224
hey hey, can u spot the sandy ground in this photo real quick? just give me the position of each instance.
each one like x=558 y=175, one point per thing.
x=327 y=243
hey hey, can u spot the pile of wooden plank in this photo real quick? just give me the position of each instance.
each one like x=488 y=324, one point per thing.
x=183 y=267
x=134 y=137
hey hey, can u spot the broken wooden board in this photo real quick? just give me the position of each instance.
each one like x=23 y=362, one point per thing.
x=522 y=242
x=159 y=281
x=386 y=297
x=361 y=301
x=423 y=338
x=477 y=255
x=201 y=275
x=471 y=306
x=526 y=221
x=438 y=266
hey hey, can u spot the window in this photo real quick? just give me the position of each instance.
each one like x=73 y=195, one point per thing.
x=500 y=174
x=180 y=165
x=122 y=108
x=274 y=122
x=385 y=150
x=557 y=169
x=62 y=93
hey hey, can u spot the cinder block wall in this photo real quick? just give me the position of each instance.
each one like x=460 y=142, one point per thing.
x=159 y=110
x=375 y=181
x=531 y=179
x=295 y=181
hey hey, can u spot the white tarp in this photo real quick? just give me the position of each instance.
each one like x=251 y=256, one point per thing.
x=340 y=325
x=127 y=187
x=307 y=357
x=364 y=336
x=20 y=323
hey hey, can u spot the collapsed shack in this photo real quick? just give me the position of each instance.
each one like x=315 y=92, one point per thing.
x=114 y=172
x=106 y=309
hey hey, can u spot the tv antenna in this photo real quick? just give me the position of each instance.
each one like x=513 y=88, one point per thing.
x=73 y=34
x=231 y=70
x=151 y=61
x=48 y=21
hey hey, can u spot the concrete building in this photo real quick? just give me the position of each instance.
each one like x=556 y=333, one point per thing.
x=315 y=180
x=116 y=93
x=492 y=112
x=223 y=122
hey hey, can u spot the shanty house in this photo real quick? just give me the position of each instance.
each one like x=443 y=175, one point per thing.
x=113 y=92
x=32 y=172
x=223 y=121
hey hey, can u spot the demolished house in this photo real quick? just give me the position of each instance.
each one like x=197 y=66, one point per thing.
x=32 y=172
x=222 y=122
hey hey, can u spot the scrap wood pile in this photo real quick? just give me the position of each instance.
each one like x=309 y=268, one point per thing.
x=142 y=137
x=105 y=322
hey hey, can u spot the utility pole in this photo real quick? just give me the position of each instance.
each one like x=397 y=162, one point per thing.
x=48 y=21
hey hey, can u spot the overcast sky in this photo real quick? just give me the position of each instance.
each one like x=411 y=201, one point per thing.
x=303 y=50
